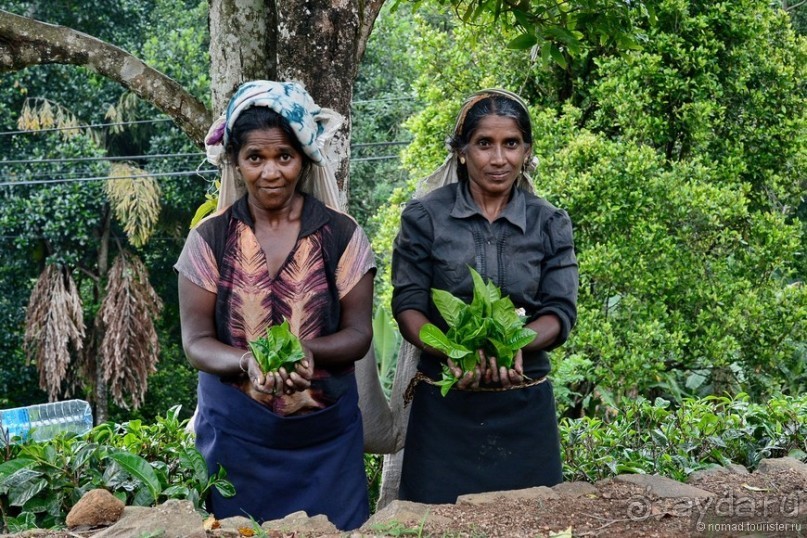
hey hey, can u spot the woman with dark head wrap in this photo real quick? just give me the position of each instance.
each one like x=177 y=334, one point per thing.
x=278 y=250
x=497 y=430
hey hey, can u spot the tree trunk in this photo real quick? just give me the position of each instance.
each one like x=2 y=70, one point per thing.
x=101 y=392
x=316 y=42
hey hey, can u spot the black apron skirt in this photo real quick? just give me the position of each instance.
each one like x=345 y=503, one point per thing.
x=478 y=441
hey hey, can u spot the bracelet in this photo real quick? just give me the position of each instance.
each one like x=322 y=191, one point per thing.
x=241 y=362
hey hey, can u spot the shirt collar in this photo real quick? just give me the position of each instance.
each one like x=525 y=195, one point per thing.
x=515 y=212
x=315 y=214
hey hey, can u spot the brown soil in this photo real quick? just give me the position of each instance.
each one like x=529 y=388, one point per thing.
x=744 y=505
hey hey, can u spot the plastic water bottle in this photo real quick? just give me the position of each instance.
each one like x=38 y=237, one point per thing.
x=44 y=421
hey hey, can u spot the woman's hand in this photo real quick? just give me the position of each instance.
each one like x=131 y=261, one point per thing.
x=280 y=382
x=300 y=378
x=487 y=370
x=468 y=380
x=508 y=377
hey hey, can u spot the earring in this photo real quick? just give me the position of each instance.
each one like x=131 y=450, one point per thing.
x=462 y=160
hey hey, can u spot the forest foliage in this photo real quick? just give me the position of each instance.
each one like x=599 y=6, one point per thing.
x=682 y=165
x=678 y=151
x=673 y=133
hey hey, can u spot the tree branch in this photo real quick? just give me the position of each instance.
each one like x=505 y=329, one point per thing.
x=26 y=42
x=792 y=7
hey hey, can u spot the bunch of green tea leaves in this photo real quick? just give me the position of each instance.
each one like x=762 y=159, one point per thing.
x=278 y=348
x=490 y=322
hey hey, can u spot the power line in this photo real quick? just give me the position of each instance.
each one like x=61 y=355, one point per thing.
x=358 y=146
x=379 y=144
x=103 y=178
x=77 y=127
x=159 y=120
x=155 y=174
x=90 y=159
x=385 y=100
x=378 y=158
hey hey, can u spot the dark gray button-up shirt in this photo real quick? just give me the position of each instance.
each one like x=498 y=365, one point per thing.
x=527 y=251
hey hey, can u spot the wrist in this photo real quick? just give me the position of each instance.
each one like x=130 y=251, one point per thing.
x=243 y=364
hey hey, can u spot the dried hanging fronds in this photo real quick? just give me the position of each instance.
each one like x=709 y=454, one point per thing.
x=129 y=348
x=126 y=110
x=135 y=200
x=54 y=321
x=39 y=114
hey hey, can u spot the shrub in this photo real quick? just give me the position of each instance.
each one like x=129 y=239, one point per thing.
x=655 y=437
x=139 y=464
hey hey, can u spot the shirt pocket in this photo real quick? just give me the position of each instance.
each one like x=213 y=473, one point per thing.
x=452 y=256
x=523 y=282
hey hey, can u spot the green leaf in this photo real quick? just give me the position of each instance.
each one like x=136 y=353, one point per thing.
x=23 y=522
x=177 y=492
x=504 y=354
x=432 y=336
x=17 y=471
x=278 y=348
x=570 y=39
x=222 y=485
x=450 y=307
x=142 y=497
x=190 y=458
x=21 y=494
x=385 y=344
x=521 y=338
x=447 y=381
x=141 y=469
x=557 y=55
x=523 y=20
x=43 y=505
x=522 y=42
x=208 y=207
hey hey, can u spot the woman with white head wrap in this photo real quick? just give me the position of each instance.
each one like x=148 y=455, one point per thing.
x=278 y=250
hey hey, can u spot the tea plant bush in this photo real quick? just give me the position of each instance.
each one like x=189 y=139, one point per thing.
x=140 y=464
x=682 y=167
x=658 y=438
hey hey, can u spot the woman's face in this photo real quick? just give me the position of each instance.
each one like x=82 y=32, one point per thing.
x=270 y=167
x=495 y=155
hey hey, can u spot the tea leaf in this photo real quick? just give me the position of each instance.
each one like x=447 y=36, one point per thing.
x=450 y=307
x=278 y=348
x=432 y=336
x=140 y=469
x=490 y=323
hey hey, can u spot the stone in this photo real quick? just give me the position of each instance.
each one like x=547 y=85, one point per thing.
x=96 y=508
x=731 y=468
x=664 y=487
x=303 y=523
x=405 y=513
x=774 y=465
x=172 y=519
x=529 y=494
x=575 y=489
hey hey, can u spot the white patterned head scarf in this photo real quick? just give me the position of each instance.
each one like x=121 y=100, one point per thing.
x=313 y=126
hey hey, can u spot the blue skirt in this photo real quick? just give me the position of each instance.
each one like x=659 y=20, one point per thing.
x=280 y=465
x=472 y=442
